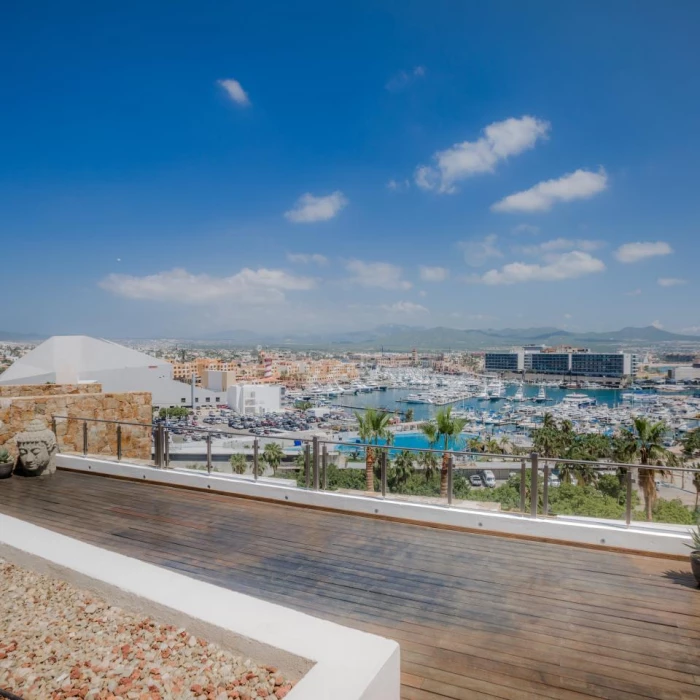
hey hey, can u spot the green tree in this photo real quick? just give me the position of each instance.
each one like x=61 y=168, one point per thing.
x=548 y=420
x=403 y=469
x=303 y=405
x=272 y=455
x=408 y=415
x=238 y=463
x=648 y=450
x=444 y=428
x=372 y=426
x=429 y=462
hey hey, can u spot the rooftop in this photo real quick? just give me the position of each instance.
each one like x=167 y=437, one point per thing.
x=477 y=616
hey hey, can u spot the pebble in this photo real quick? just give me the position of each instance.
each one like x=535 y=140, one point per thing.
x=60 y=642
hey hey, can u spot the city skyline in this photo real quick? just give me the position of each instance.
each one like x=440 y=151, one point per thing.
x=183 y=172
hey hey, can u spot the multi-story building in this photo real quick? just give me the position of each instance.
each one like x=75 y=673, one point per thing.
x=505 y=361
x=603 y=364
x=576 y=363
x=550 y=362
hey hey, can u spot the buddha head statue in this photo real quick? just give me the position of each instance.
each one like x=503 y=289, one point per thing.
x=36 y=446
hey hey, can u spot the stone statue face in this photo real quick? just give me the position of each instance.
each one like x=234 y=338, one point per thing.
x=37 y=447
x=35 y=457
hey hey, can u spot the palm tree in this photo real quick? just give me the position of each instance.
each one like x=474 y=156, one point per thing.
x=408 y=415
x=403 y=467
x=429 y=462
x=444 y=428
x=548 y=420
x=567 y=426
x=371 y=427
x=238 y=463
x=649 y=451
x=474 y=444
x=272 y=455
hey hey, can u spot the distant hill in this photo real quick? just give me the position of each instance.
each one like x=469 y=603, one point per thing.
x=9 y=336
x=402 y=338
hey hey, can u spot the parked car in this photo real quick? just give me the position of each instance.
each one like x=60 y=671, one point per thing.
x=487 y=476
x=475 y=480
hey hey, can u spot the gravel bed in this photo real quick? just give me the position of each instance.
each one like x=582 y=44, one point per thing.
x=59 y=642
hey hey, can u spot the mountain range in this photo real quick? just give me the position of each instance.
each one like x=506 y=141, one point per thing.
x=402 y=338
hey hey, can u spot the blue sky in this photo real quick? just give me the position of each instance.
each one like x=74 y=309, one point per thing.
x=179 y=168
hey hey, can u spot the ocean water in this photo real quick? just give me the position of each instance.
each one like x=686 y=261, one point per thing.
x=389 y=400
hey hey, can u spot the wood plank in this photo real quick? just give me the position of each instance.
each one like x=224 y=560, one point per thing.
x=477 y=616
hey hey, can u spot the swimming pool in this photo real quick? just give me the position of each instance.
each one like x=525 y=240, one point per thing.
x=410 y=441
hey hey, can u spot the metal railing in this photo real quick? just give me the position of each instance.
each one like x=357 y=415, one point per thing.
x=319 y=454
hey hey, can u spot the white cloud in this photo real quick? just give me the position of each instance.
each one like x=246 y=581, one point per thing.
x=306 y=258
x=568 y=316
x=403 y=79
x=633 y=293
x=500 y=140
x=376 y=274
x=309 y=209
x=526 y=228
x=581 y=184
x=180 y=286
x=657 y=324
x=433 y=274
x=670 y=281
x=477 y=253
x=634 y=252
x=404 y=307
x=561 y=244
x=398 y=185
x=691 y=330
x=559 y=267
x=235 y=91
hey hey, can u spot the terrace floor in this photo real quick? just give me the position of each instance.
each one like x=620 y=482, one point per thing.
x=476 y=616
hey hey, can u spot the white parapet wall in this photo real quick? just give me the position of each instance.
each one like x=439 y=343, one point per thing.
x=333 y=661
x=663 y=540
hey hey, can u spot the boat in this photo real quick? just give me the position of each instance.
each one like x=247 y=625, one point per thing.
x=579 y=400
x=496 y=391
x=519 y=394
x=541 y=395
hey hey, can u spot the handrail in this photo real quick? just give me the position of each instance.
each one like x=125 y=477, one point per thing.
x=602 y=465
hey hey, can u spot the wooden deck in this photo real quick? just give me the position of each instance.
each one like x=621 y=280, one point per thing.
x=476 y=616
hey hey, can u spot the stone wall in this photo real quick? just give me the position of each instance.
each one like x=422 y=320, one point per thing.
x=134 y=407
x=48 y=389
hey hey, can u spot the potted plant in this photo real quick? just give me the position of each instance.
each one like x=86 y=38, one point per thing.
x=6 y=464
x=695 y=554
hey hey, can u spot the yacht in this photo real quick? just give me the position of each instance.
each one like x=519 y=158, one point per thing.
x=579 y=400
x=496 y=391
x=541 y=395
x=519 y=394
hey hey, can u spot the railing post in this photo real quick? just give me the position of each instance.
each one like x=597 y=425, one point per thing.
x=166 y=448
x=534 y=494
x=545 y=490
x=256 y=458
x=324 y=466
x=450 y=479
x=382 y=471
x=523 y=477
x=85 y=438
x=119 y=443
x=628 y=504
x=316 y=456
x=209 y=453
x=159 y=446
x=307 y=464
